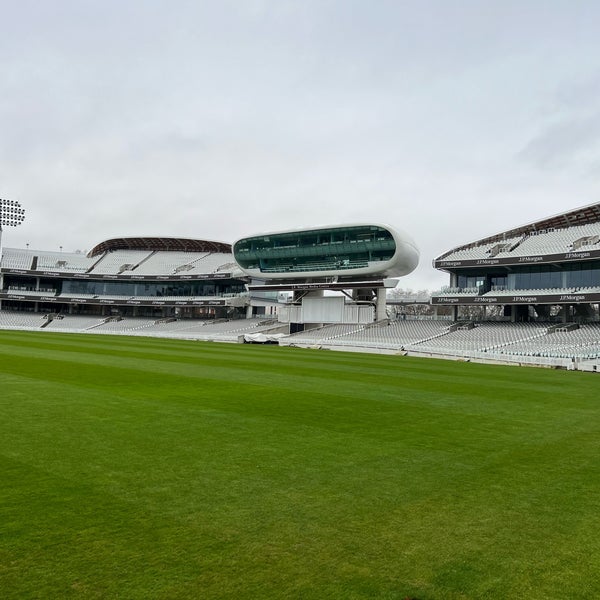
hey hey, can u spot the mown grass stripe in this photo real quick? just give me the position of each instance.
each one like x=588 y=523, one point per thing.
x=142 y=468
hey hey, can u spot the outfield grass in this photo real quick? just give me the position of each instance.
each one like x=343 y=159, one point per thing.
x=148 y=468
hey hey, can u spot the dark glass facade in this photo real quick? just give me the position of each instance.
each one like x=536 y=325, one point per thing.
x=316 y=250
x=571 y=275
x=127 y=288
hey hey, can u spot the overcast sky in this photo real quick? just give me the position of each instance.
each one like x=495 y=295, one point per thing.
x=448 y=119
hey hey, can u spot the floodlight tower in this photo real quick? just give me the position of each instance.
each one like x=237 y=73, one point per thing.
x=11 y=215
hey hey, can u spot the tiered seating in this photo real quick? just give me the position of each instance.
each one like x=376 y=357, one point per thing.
x=23 y=291
x=142 y=262
x=20 y=320
x=64 y=262
x=581 y=343
x=223 y=331
x=172 y=298
x=169 y=263
x=531 y=292
x=16 y=259
x=234 y=325
x=124 y=326
x=456 y=291
x=557 y=241
x=523 y=342
x=395 y=335
x=68 y=295
x=210 y=263
x=483 y=337
x=477 y=252
x=113 y=262
x=172 y=328
x=554 y=242
x=74 y=323
x=321 y=334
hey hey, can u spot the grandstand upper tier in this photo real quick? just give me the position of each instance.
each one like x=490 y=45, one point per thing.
x=569 y=236
x=553 y=261
x=128 y=258
x=341 y=251
x=141 y=276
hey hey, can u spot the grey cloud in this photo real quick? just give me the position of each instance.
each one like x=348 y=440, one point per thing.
x=579 y=95
x=220 y=119
x=562 y=144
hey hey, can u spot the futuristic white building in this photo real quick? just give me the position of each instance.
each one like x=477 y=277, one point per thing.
x=359 y=260
x=342 y=251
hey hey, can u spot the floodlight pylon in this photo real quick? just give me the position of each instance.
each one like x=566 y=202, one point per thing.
x=12 y=214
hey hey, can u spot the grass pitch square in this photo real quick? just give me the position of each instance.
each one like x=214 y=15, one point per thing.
x=143 y=468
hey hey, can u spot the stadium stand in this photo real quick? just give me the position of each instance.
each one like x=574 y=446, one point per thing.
x=558 y=241
x=321 y=334
x=542 y=271
x=134 y=277
x=124 y=326
x=395 y=335
x=23 y=291
x=539 y=242
x=167 y=263
x=186 y=329
x=55 y=261
x=580 y=342
x=10 y=320
x=481 y=337
x=210 y=263
x=74 y=323
x=539 y=283
x=480 y=251
x=120 y=261
x=16 y=259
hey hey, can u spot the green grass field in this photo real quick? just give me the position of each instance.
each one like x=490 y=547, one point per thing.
x=148 y=468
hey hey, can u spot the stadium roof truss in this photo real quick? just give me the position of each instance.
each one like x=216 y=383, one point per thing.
x=578 y=216
x=163 y=244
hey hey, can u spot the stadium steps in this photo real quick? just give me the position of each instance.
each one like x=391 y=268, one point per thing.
x=102 y=322
x=340 y=335
x=428 y=339
x=491 y=349
x=143 y=260
x=95 y=263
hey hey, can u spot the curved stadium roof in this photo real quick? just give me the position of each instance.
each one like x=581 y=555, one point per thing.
x=163 y=244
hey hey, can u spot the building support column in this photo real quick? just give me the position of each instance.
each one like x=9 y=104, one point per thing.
x=380 y=312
